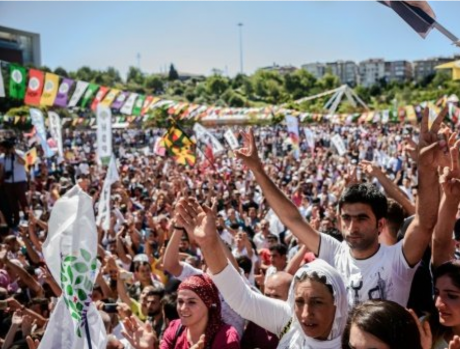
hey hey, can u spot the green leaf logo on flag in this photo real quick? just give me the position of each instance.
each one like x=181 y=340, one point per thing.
x=17 y=81
x=77 y=273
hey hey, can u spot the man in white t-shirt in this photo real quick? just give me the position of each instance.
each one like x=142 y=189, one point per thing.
x=369 y=270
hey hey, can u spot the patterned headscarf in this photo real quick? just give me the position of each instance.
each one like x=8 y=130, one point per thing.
x=203 y=286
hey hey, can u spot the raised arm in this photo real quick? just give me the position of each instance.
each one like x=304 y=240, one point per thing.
x=171 y=261
x=431 y=151
x=441 y=247
x=283 y=207
x=268 y=313
x=391 y=189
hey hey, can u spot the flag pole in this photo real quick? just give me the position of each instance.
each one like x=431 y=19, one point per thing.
x=88 y=336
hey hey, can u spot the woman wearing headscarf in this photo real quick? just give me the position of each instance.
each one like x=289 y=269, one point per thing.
x=316 y=312
x=200 y=324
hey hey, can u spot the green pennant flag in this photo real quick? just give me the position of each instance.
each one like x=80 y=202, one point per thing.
x=138 y=105
x=90 y=92
x=17 y=81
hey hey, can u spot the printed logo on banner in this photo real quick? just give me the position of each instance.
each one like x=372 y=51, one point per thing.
x=49 y=86
x=34 y=84
x=64 y=88
x=16 y=76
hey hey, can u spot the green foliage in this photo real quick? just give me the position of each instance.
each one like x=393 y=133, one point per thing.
x=173 y=74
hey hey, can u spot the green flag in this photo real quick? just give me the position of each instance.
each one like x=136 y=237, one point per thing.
x=138 y=106
x=17 y=81
x=90 y=92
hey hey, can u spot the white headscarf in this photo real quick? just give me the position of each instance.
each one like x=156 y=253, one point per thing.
x=296 y=338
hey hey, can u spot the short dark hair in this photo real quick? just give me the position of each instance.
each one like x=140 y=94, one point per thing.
x=169 y=303
x=365 y=193
x=244 y=263
x=395 y=216
x=280 y=248
x=386 y=320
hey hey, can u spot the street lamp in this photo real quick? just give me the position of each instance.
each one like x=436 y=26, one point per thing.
x=240 y=25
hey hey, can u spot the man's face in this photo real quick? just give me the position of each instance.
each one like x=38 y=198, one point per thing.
x=151 y=304
x=360 y=228
x=143 y=273
x=277 y=260
x=276 y=289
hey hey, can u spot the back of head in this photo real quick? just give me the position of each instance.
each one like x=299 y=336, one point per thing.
x=365 y=193
x=394 y=217
x=387 y=321
x=277 y=285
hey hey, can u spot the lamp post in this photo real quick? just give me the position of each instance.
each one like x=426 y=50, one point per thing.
x=240 y=26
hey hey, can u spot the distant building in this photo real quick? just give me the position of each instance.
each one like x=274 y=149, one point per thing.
x=400 y=71
x=425 y=67
x=346 y=71
x=371 y=71
x=283 y=70
x=316 y=69
x=18 y=46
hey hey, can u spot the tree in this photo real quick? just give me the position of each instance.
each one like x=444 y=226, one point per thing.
x=155 y=83
x=173 y=74
x=135 y=76
x=61 y=72
x=299 y=83
x=216 y=85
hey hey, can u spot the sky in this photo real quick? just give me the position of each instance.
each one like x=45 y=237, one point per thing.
x=200 y=36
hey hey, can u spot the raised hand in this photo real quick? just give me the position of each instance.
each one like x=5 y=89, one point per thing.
x=426 y=338
x=199 y=222
x=139 y=335
x=31 y=343
x=454 y=343
x=369 y=168
x=433 y=150
x=450 y=179
x=248 y=153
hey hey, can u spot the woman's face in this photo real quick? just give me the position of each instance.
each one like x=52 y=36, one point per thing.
x=192 y=311
x=447 y=301
x=314 y=308
x=360 y=339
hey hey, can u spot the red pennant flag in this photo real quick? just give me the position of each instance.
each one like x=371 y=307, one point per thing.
x=99 y=96
x=35 y=87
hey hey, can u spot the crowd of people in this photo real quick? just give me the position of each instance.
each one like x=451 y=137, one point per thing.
x=257 y=248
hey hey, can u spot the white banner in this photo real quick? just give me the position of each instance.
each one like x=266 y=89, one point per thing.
x=56 y=131
x=385 y=116
x=78 y=93
x=103 y=212
x=204 y=136
x=339 y=144
x=70 y=252
x=292 y=124
x=2 y=85
x=231 y=139
x=129 y=104
x=310 y=137
x=37 y=120
x=104 y=133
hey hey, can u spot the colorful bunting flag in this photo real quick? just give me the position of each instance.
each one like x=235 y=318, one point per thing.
x=63 y=93
x=120 y=100
x=128 y=106
x=50 y=89
x=110 y=97
x=78 y=93
x=147 y=103
x=17 y=81
x=99 y=96
x=34 y=88
x=138 y=105
x=179 y=146
x=90 y=91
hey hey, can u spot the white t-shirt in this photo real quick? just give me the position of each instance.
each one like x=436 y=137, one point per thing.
x=385 y=275
x=19 y=170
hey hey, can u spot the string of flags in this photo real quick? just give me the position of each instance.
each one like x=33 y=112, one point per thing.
x=44 y=89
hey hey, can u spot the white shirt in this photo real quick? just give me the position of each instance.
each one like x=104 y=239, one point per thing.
x=19 y=174
x=385 y=275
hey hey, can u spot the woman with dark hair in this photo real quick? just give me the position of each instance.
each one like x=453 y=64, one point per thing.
x=381 y=325
x=445 y=326
x=200 y=322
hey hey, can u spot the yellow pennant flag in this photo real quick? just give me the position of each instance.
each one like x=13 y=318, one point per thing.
x=50 y=89
x=410 y=114
x=31 y=157
x=456 y=74
x=108 y=100
x=16 y=119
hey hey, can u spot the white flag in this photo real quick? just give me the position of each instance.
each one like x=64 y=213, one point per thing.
x=103 y=214
x=56 y=130
x=104 y=133
x=339 y=144
x=231 y=139
x=129 y=104
x=292 y=124
x=36 y=116
x=70 y=251
x=205 y=137
x=2 y=85
x=79 y=90
x=310 y=137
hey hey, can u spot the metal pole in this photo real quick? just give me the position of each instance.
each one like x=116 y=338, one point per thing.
x=240 y=25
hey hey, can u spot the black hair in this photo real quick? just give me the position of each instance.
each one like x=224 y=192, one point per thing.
x=280 y=248
x=365 y=193
x=387 y=321
x=169 y=304
x=244 y=263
